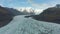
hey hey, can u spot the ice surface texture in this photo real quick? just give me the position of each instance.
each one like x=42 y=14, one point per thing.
x=21 y=25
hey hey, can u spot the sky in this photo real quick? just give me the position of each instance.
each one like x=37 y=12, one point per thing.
x=41 y=4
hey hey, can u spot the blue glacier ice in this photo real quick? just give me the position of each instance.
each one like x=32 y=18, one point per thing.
x=21 y=25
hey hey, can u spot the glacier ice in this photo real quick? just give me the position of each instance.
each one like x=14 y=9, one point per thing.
x=21 y=25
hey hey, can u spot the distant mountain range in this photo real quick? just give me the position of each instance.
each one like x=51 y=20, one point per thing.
x=30 y=9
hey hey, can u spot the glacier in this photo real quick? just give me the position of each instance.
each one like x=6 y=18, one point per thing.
x=22 y=25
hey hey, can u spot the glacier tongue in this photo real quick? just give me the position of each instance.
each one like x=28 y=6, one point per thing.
x=21 y=25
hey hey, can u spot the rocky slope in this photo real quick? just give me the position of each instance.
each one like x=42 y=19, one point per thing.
x=5 y=16
x=51 y=14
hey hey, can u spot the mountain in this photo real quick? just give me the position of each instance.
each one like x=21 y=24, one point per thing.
x=30 y=10
x=14 y=12
x=5 y=16
x=51 y=14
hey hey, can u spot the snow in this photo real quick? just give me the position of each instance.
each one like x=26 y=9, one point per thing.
x=30 y=9
x=21 y=25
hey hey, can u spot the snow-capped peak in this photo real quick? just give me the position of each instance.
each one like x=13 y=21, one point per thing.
x=30 y=9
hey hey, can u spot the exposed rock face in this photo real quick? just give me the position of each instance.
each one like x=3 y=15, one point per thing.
x=49 y=15
x=5 y=16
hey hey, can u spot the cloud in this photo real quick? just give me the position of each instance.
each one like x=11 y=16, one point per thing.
x=43 y=5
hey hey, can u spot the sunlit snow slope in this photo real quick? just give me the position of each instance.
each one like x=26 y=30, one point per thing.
x=21 y=25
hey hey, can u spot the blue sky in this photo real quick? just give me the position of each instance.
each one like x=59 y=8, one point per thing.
x=29 y=3
x=14 y=3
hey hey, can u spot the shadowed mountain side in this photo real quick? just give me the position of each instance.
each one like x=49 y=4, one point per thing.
x=14 y=12
x=5 y=16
